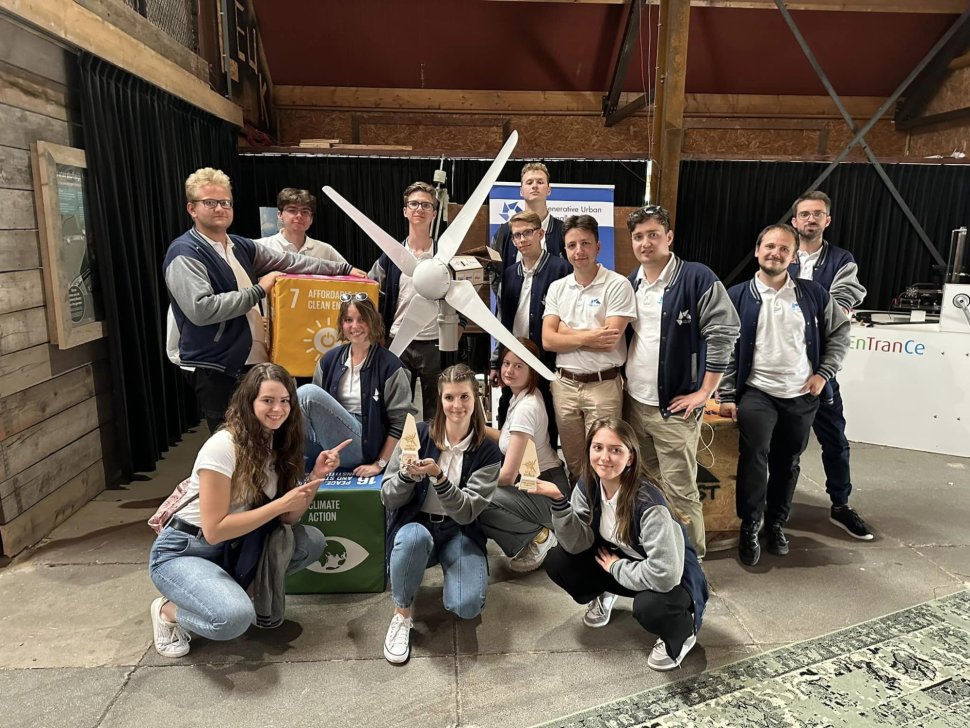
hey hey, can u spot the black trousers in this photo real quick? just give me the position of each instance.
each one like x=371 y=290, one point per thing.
x=829 y=427
x=669 y=615
x=423 y=361
x=773 y=434
x=213 y=390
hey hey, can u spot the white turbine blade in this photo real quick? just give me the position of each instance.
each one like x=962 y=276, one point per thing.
x=451 y=240
x=463 y=296
x=420 y=313
x=400 y=255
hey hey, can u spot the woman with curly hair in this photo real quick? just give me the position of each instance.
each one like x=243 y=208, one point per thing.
x=618 y=536
x=246 y=475
x=433 y=506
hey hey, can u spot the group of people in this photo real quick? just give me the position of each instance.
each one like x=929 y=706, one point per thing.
x=637 y=358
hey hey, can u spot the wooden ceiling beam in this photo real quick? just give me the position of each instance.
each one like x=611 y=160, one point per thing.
x=340 y=98
x=77 y=26
x=942 y=7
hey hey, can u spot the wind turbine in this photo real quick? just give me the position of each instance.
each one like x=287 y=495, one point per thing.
x=434 y=281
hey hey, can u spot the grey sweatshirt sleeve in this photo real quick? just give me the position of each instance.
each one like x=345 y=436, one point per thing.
x=377 y=273
x=719 y=325
x=662 y=539
x=188 y=283
x=837 y=328
x=396 y=491
x=846 y=289
x=569 y=522
x=464 y=504
x=397 y=400
x=266 y=259
x=728 y=386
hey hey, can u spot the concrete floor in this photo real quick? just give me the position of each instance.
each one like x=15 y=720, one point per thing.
x=76 y=634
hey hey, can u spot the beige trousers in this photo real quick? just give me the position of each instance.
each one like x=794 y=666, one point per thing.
x=668 y=449
x=577 y=406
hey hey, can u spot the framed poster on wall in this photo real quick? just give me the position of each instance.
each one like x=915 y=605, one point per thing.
x=74 y=311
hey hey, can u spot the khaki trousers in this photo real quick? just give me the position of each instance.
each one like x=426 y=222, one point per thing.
x=668 y=450
x=578 y=405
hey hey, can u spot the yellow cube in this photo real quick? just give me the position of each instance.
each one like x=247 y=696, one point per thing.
x=304 y=313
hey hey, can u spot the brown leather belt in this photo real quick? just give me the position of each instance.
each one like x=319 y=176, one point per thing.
x=603 y=376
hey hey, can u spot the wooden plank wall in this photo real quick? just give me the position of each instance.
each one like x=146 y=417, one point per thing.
x=55 y=406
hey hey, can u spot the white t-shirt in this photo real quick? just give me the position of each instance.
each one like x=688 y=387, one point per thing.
x=527 y=414
x=348 y=388
x=579 y=307
x=313 y=248
x=643 y=362
x=450 y=463
x=219 y=454
x=608 y=523
x=780 y=366
x=405 y=294
x=258 y=353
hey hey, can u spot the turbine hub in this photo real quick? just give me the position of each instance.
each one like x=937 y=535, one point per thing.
x=431 y=279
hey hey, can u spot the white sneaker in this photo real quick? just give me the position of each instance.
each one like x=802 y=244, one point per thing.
x=170 y=639
x=397 y=642
x=531 y=557
x=660 y=660
x=599 y=610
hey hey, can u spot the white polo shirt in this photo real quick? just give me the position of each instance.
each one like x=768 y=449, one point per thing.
x=348 y=388
x=527 y=414
x=312 y=248
x=643 y=361
x=405 y=293
x=579 y=307
x=780 y=366
x=807 y=263
x=520 y=324
x=258 y=353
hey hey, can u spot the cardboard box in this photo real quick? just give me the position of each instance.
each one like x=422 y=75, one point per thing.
x=349 y=512
x=304 y=318
x=467 y=268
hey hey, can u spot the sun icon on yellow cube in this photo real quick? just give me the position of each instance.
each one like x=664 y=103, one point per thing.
x=321 y=339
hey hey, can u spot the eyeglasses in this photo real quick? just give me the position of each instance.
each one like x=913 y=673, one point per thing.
x=524 y=234
x=418 y=205
x=306 y=211
x=213 y=204
x=348 y=297
x=817 y=214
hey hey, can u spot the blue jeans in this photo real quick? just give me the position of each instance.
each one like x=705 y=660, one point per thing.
x=420 y=545
x=208 y=601
x=327 y=424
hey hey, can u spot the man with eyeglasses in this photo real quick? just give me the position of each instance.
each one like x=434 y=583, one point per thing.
x=295 y=211
x=216 y=284
x=521 y=303
x=836 y=270
x=680 y=345
x=535 y=191
x=584 y=321
x=422 y=357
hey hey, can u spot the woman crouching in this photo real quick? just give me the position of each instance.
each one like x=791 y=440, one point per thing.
x=433 y=506
x=619 y=537
x=243 y=484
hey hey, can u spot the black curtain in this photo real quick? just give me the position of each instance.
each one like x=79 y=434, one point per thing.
x=141 y=143
x=722 y=206
x=375 y=185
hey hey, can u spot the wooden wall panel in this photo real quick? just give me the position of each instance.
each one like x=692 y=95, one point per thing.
x=944 y=139
x=55 y=405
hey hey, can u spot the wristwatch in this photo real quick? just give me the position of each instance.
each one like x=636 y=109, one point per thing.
x=381 y=463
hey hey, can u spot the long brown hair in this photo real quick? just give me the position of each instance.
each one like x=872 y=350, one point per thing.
x=458 y=374
x=630 y=480
x=254 y=450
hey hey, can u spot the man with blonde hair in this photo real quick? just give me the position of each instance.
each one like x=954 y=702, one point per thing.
x=295 y=211
x=535 y=191
x=216 y=284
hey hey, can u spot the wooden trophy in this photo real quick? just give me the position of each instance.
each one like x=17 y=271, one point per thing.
x=529 y=467
x=410 y=443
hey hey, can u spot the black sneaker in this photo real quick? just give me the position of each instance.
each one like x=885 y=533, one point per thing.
x=777 y=542
x=749 y=550
x=851 y=522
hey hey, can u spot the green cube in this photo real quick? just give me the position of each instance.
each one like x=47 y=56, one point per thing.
x=349 y=512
